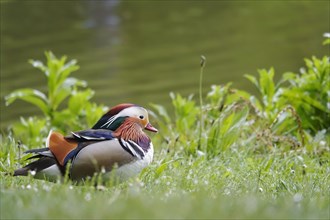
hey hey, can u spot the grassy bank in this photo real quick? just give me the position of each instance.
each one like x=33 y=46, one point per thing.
x=233 y=155
x=237 y=184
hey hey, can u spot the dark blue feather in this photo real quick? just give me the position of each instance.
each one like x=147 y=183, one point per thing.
x=91 y=135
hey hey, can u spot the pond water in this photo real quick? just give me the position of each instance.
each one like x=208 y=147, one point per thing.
x=139 y=51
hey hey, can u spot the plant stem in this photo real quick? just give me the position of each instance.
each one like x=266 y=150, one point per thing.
x=203 y=62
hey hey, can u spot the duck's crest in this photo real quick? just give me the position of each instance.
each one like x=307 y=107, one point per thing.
x=105 y=122
x=118 y=108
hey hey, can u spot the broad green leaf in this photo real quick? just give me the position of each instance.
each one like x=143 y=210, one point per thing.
x=79 y=99
x=253 y=79
x=65 y=90
x=93 y=112
x=315 y=103
x=291 y=77
x=303 y=99
x=267 y=85
x=32 y=96
x=161 y=169
x=71 y=81
x=39 y=65
x=66 y=70
x=239 y=118
x=59 y=97
x=230 y=127
x=326 y=41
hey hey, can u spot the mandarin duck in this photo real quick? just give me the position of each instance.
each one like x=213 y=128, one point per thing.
x=116 y=140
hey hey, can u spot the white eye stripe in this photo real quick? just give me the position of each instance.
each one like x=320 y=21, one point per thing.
x=110 y=121
x=127 y=112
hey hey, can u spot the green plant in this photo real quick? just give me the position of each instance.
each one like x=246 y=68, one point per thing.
x=269 y=104
x=224 y=117
x=201 y=119
x=225 y=130
x=309 y=93
x=66 y=104
x=250 y=164
x=59 y=85
x=327 y=40
x=178 y=130
x=32 y=131
x=306 y=92
x=224 y=113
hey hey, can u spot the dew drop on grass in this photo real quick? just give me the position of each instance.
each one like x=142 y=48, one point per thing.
x=88 y=197
x=227 y=192
x=46 y=188
x=322 y=143
x=297 y=197
x=300 y=158
x=200 y=153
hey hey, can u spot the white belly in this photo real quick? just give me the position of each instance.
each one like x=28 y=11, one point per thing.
x=103 y=157
x=132 y=169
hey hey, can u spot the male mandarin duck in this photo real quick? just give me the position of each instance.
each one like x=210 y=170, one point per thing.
x=116 y=140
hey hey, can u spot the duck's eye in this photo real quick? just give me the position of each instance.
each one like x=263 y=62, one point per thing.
x=141 y=117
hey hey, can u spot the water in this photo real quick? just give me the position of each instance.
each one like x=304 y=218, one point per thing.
x=139 y=51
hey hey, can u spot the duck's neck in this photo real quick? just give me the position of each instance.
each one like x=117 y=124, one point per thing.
x=130 y=130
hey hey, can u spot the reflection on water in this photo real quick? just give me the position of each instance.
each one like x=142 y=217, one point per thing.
x=138 y=52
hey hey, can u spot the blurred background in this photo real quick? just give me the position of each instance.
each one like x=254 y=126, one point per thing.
x=139 y=51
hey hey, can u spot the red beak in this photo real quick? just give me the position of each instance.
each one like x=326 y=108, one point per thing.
x=149 y=127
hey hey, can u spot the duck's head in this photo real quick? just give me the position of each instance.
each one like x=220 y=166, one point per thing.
x=119 y=113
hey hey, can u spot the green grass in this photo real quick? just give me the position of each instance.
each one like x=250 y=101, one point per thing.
x=234 y=156
x=238 y=183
